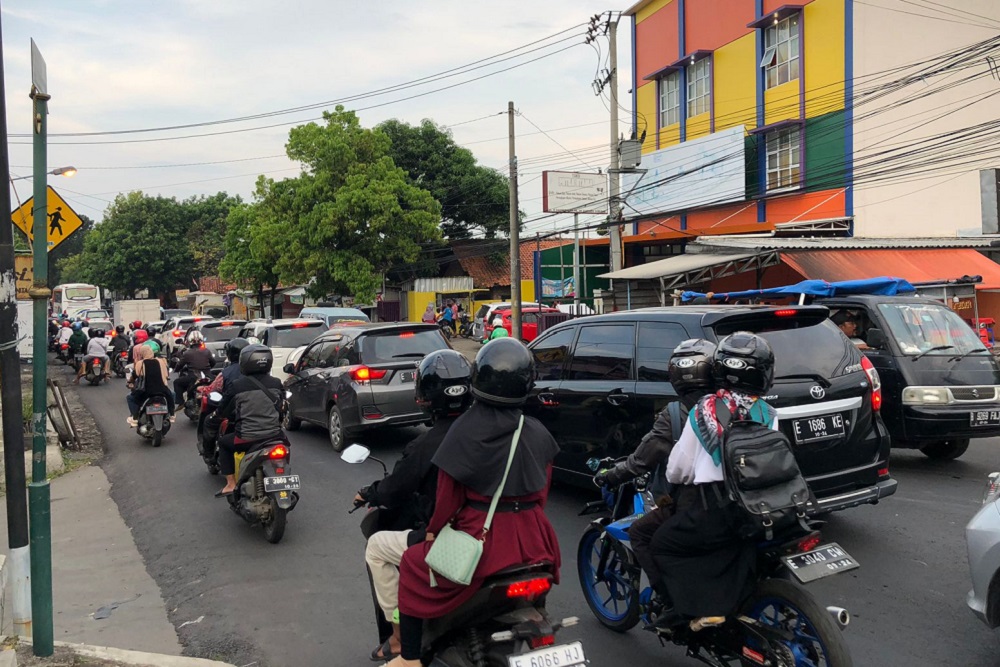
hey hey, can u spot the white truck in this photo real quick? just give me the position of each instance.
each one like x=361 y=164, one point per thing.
x=144 y=310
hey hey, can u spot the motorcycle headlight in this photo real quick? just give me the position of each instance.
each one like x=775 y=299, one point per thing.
x=992 y=488
x=926 y=396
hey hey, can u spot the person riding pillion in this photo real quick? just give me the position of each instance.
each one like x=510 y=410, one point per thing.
x=97 y=348
x=197 y=358
x=222 y=382
x=406 y=497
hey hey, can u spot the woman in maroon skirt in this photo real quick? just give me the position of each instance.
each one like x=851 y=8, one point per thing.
x=471 y=460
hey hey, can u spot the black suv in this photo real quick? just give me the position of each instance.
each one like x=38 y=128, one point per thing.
x=360 y=376
x=602 y=379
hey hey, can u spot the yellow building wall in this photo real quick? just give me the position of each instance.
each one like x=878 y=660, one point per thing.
x=698 y=126
x=734 y=87
x=824 y=56
x=781 y=102
x=645 y=104
x=416 y=304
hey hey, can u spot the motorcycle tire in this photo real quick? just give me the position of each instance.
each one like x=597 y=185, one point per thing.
x=816 y=633
x=613 y=599
x=274 y=529
x=157 y=438
x=192 y=412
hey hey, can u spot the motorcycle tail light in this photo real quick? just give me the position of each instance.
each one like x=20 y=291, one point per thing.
x=177 y=333
x=279 y=471
x=809 y=543
x=544 y=640
x=64 y=346
x=875 y=381
x=529 y=589
x=278 y=452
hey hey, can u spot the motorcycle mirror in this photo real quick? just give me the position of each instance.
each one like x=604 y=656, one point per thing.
x=215 y=397
x=289 y=369
x=355 y=454
x=594 y=464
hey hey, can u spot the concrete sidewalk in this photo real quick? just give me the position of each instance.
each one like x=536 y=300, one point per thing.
x=97 y=569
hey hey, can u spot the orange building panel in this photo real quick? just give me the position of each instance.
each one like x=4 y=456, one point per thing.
x=722 y=220
x=711 y=24
x=656 y=43
x=808 y=206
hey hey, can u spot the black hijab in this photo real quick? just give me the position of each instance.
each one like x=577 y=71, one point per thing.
x=476 y=448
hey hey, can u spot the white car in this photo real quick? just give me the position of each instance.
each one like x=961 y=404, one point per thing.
x=284 y=337
x=172 y=333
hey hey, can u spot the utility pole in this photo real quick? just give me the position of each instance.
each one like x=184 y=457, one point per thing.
x=515 y=241
x=39 y=501
x=576 y=263
x=614 y=206
x=10 y=396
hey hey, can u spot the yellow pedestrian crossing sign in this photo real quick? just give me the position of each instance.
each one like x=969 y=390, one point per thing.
x=61 y=221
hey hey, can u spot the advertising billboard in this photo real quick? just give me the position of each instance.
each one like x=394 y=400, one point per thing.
x=574 y=192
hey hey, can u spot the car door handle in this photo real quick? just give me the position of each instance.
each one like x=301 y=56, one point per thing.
x=548 y=399
x=617 y=398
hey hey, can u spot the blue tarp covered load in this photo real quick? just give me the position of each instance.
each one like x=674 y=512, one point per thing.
x=884 y=286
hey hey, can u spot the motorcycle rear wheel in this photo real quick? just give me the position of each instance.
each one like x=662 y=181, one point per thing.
x=274 y=529
x=818 y=640
x=157 y=438
x=612 y=595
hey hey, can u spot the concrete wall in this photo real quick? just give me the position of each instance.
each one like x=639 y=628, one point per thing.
x=893 y=35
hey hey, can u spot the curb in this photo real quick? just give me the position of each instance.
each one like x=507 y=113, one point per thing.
x=138 y=658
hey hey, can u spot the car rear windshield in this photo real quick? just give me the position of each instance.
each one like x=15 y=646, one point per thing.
x=296 y=335
x=220 y=333
x=399 y=345
x=820 y=350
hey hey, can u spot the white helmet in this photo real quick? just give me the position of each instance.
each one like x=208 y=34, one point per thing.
x=195 y=338
x=498 y=321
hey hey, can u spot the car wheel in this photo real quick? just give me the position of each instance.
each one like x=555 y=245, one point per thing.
x=335 y=425
x=946 y=450
x=290 y=422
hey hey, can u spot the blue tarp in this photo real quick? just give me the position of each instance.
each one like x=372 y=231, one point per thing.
x=884 y=286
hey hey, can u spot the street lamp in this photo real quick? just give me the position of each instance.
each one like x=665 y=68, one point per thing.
x=68 y=172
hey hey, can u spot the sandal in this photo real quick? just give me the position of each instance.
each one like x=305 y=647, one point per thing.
x=220 y=494
x=383 y=653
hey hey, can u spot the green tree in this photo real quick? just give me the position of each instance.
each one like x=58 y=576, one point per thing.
x=73 y=245
x=142 y=244
x=350 y=216
x=249 y=258
x=206 y=222
x=69 y=269
x=473 y=198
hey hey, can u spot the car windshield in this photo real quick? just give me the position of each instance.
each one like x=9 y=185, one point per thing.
x=98 y=315
x=220 y=333
x=920 y=328
x=295 y=336
x=400 y=345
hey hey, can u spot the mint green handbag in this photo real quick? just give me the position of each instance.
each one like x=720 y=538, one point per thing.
x=455 y=554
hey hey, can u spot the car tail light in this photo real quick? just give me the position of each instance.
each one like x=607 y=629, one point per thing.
x=226 y=324
x=365 y=374
x=883 y=472
x=279 y=452
x=301 y=325
x=809 y=543
x=544 y=640
x=406 y=334
x=177 y=333
x=876 y=383
x=530 y=589
x=785 y=312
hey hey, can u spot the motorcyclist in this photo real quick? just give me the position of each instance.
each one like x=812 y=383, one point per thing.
x=222 y=382
x=197 y=358
x=690 y=369
x=97 y=348
x=120 y=343
x=254 y=404
x=498 y=330
x=65 y=333
x=406 y=496
x=79 y=339
x=707 y=566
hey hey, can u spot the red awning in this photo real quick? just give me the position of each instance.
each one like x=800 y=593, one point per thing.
x=913 y=265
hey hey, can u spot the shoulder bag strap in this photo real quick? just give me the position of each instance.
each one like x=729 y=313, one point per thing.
x=260 y=385
x=503 y=481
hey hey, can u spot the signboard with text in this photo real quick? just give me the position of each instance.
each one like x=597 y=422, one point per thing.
x=574 y=192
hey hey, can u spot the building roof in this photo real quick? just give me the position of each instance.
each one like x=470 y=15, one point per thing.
x=477 y=259
x=637 y=7
x=737 y=243
x=674 y=265
x=914 y=264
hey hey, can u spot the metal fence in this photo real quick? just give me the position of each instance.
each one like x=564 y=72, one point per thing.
x=388 y=311
x=549 y=320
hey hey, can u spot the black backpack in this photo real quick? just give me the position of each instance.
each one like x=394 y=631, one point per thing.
x=762 y=477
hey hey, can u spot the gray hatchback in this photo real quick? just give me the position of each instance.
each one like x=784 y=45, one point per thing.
x=359 y=377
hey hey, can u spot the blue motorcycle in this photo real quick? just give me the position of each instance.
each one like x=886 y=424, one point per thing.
x=780 y=624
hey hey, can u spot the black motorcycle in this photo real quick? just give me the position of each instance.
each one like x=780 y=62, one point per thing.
x=192 y=398
x=119 y=363
x=505 y=623
x=95 y=371
x=154 y=419
x=266 y=491
x=467 y=327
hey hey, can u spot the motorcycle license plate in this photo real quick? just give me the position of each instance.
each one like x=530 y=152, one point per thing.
x=286 y=483
x=156 y=409
x=553 y=656
x=823 y=561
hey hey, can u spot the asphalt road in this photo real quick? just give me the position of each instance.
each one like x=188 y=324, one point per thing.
x=305 y=601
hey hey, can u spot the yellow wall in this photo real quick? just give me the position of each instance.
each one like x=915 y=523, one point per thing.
x=650 y=9
x=734 y=84
x=416 y=304
x=824 y=56
x=781 y=102
x=698 y=126
x=645 y=103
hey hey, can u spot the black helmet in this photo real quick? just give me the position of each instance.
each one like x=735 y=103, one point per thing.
x=98 y=333
x=234 y=347
x=744 y=361
x=120 y=329
x=256 y=360
x=444 y=382
x=91 y=333
x=690 y=369
x=503 y=373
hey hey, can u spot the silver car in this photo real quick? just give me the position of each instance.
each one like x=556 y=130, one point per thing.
x=983 y=537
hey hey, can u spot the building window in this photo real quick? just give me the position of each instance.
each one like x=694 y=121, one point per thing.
x=781 y=51
x=784 y=158
x=699 y=88
x=670 y=99
x=662 y=250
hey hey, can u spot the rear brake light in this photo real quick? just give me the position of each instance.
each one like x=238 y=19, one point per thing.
x=301 y=325
x=226 y=324
x=531 y=588
x=279 y=452
x=544 y=640
x=406 y=334
x=809 y=543
x=177 y=333
x=65 y=346
x=364 y=374
x=786 y=312
x=883 y=472
x=875 y=381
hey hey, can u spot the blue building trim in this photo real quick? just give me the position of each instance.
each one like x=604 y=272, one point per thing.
x=849 y=108
x=684 y=221
x=682 y=50
x=537 y=268
x=760 y=140
x=635 y=109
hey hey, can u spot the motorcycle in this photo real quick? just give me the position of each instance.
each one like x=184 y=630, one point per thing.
x=63 y=354
x=192 y=402
x=77 y=361
x=154 y=419
x=266 y=491
x=466 y=327
x=209 y=454
x=504 y=623
x=95 y=371
x=780 y=624
x=119 y=363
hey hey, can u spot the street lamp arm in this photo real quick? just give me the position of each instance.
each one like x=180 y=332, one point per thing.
x=61 y=171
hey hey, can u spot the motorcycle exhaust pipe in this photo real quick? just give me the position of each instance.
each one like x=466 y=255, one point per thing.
x=840 y=615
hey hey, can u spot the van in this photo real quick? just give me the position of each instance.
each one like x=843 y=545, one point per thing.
x=482 y=324
x=941 y=384
x=333 y=316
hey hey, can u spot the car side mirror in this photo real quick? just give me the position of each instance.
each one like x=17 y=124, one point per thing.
x=289 y=369
x=355 y=454
x=876 y=338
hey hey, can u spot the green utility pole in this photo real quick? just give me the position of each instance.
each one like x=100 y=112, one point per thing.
x=39 y=504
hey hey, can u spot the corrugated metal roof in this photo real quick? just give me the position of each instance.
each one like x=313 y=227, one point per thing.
x=674 y=265
x=745 y=242
x=914 y=264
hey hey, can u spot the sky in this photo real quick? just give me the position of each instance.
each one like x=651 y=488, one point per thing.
x=117 y=65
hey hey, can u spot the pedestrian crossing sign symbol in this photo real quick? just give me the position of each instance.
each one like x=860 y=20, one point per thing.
x=61 y=219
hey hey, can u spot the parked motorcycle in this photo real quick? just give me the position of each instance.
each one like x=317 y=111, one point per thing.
x=466 y=328
x=95 y=371
x=504 y=623
x=119 y=363
x=154 y=419
x=780 y=624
